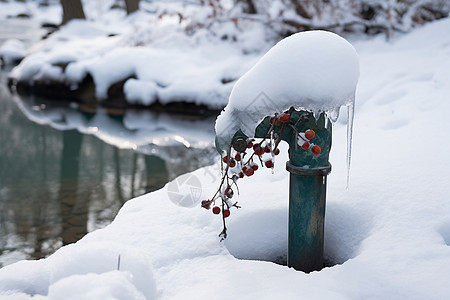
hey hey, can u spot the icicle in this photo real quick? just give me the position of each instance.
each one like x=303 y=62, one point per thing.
x=351 y=114
x=333 y=114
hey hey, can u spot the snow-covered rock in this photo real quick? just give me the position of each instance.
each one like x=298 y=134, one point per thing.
x=12 y=52
x=152 y=59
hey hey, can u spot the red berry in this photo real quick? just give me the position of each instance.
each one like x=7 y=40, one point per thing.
x=277 y=123
x=271 y=120
x=232 y=163
x=305 y=146
x=229 y=192
x=316 y=150
x=250 y=144
x=241 y=175
x=276 y=151
x=310 y=134
x=284 y=118
x=254 y=167
x=267 y=149
x=244 y=168
x=269 y=163
x=206 y=204
x=225 y=159
x=226 y=213
x=258 y=150
x=216 y=210
x=237 y=156
x=249 y=172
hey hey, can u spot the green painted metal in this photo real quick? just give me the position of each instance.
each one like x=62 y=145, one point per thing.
x=307 y=193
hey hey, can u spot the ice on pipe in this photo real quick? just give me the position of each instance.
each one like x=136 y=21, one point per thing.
x=315 y=70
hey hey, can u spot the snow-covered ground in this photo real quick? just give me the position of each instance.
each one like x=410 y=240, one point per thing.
x=387 y=237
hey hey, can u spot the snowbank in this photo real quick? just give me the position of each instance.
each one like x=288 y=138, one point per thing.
x=151 y=55
x=11 y=52
x=386 y=238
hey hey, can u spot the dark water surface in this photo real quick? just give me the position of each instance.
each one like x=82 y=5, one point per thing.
x=57 y=184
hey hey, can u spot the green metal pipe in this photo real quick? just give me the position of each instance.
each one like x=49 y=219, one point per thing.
x=307 y=197
x=307 y=192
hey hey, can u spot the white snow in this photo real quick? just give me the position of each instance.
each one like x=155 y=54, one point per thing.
x=388 y=237
x=315 y=71
x=12 y=50
x=161 y=69
x=140 y=92
x=166 y=63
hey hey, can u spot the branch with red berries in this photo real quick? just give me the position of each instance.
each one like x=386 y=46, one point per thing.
x=244 y=161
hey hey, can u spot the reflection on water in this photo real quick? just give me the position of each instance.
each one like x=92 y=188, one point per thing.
x=71 y=174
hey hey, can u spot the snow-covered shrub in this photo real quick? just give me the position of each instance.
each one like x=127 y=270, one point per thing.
x=289 y=16
x=367 y=16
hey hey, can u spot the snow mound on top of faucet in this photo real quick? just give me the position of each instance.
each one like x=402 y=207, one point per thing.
x=315 y=70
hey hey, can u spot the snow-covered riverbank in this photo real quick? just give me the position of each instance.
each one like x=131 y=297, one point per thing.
x=146 y=58
x=388 y=237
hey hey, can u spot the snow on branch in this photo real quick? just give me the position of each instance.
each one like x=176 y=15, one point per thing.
x=342 y=16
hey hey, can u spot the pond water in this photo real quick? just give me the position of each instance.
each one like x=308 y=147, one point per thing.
x=66 y=170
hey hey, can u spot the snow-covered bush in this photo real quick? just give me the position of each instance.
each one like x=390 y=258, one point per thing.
x=229 y=19
x=288 y=16
x=367 y=16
